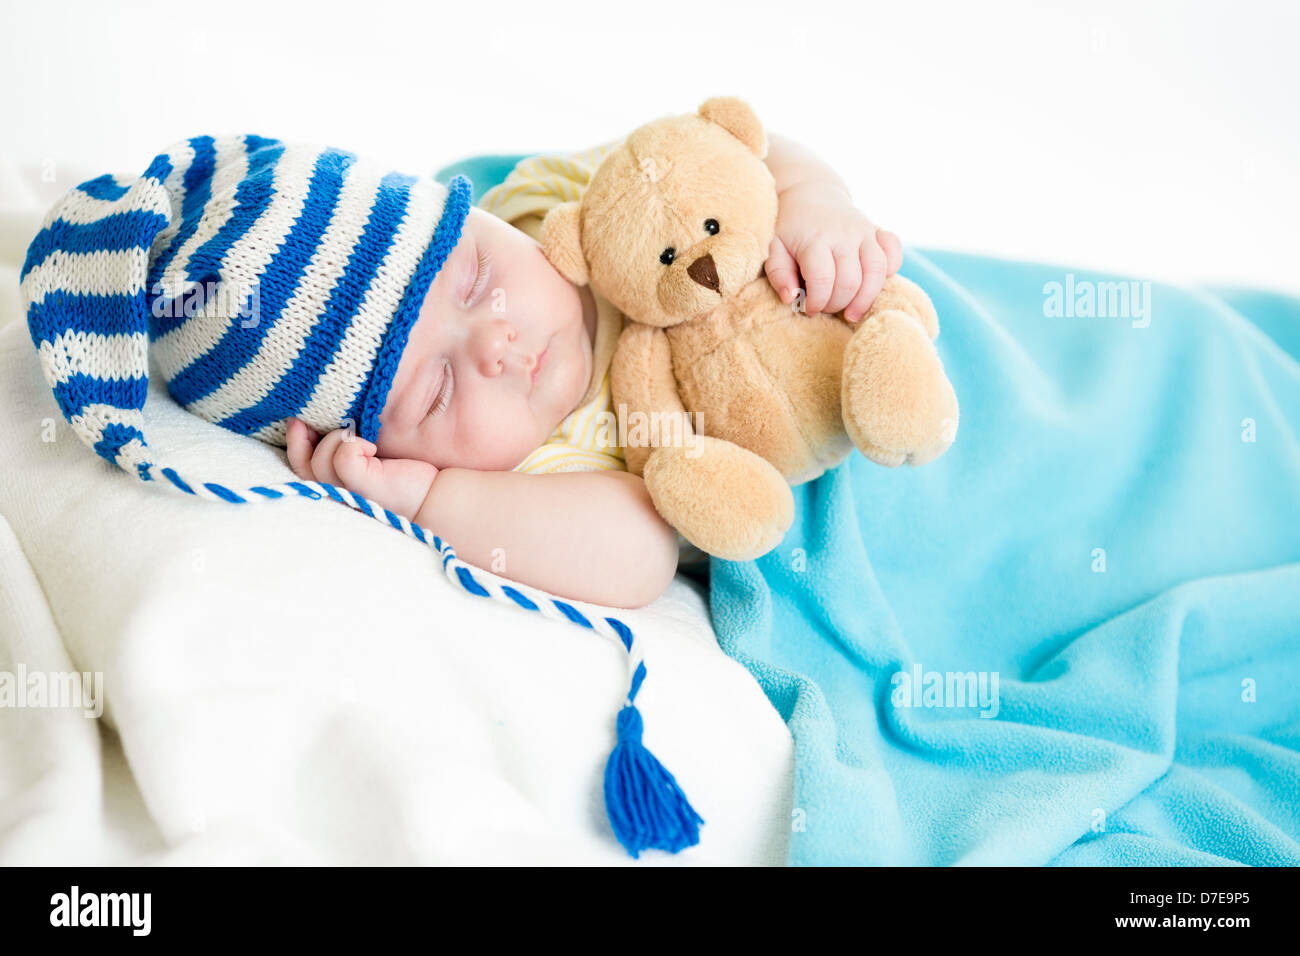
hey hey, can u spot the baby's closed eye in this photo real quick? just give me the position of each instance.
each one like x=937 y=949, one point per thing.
x=443 y=390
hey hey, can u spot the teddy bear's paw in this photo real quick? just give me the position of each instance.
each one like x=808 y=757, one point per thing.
x=724 y=499
x=898 y=405
x=906 y=296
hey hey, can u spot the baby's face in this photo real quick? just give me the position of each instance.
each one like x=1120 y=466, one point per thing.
x=500 y=354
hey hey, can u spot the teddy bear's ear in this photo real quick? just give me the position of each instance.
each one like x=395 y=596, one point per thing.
x=735 y=116
x=561 y=240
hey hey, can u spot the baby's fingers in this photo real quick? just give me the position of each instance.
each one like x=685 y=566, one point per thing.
x=355 y=463
x=874 y=265
x=817 y=265
x=782 y=270
x=322 y=459
x=300 y=442
x=848 y=279
x=893 y=250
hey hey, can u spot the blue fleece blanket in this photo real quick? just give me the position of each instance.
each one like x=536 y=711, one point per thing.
x=1075 y=638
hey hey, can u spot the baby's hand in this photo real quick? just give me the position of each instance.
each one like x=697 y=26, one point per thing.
x=345 y=459
x=843 y=257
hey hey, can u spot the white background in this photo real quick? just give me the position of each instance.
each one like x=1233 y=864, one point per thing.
x=1156 y=139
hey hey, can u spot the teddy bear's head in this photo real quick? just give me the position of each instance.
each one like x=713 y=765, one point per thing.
x=676 y=218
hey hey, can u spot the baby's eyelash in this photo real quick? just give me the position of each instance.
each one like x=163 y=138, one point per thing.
x=444 y=393
x=481 y=278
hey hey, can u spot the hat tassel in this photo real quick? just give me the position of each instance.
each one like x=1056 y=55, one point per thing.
x=646 y=807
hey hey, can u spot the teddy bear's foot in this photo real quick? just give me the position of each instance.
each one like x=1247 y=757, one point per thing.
x=724 y=499
x=898 y=405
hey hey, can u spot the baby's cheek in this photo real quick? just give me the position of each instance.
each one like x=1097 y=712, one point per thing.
x=498 y=438
x=412 y=443
x=394 y=441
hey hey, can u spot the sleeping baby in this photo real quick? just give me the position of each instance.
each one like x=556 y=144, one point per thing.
x=508 y=358
x=418 y=351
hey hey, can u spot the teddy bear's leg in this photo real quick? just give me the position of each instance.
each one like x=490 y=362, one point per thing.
x=897 y=403
x=724 y=499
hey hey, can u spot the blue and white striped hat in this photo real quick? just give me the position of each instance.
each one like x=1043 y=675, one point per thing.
x=269 y=280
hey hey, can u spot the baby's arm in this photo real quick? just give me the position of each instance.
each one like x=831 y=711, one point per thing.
x=588 y=536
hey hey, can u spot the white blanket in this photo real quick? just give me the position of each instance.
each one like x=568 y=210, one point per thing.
x=291 y=682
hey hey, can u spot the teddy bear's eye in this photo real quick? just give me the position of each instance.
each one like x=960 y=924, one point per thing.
x=711 y=226
x=668 y=255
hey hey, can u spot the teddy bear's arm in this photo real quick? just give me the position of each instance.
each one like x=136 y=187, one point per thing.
x=643 y=384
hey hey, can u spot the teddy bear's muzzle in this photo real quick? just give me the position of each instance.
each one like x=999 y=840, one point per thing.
x=721 y=267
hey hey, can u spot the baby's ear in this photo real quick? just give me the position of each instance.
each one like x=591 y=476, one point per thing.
x=562 y=241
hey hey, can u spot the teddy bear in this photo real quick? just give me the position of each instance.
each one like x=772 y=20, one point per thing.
x=751 y=395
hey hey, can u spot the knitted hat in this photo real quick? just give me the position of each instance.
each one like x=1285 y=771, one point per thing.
x=270 y=281
x=273 y=280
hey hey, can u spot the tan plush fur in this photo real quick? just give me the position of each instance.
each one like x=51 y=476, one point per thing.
x=775 y=396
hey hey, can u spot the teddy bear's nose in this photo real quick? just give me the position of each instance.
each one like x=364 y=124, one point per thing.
x=704 y=272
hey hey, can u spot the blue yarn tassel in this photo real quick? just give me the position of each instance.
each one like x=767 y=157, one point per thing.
x=646 y=807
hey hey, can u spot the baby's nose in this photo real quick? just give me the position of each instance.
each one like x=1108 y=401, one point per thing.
x=491 y=340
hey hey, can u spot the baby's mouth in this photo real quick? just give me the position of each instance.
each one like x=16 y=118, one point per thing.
x=537 y=368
